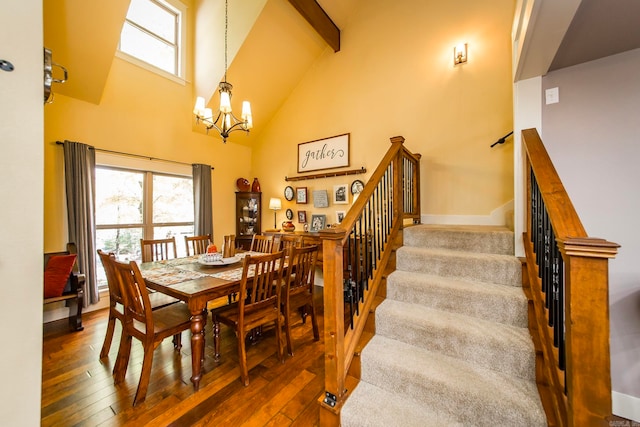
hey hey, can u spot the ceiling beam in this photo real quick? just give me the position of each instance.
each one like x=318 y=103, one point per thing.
x=319 y=20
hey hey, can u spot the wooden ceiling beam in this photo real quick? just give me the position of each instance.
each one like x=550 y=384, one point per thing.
x=319 y=20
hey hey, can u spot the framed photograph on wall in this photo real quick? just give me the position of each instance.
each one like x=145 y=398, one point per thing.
x=318 y=222
x=340 y=194
x=301 y=195
x=340 y=216
x=302 y=217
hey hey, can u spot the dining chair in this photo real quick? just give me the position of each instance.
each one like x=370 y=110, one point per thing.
x=258 y=304
x=158 y=249
x=116 y=303
x=149 y=326
x=287 y=241
x=196 y=245
x=299 y=280
x=261 y=243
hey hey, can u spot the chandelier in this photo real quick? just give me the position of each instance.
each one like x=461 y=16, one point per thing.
x=224 y=121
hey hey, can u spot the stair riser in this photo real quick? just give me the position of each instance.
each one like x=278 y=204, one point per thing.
x=494 y=269
x=511 y=356
x=460 y=240
x=505 y=309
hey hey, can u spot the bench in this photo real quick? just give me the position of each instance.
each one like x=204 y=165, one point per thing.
x=74 y=290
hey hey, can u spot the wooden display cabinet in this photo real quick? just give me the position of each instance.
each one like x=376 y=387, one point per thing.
x=248 y=217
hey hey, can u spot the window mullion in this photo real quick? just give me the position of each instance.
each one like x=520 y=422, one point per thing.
x=147 y=206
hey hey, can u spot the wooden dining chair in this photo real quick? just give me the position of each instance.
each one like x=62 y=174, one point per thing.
x=116 y=303
x=196 y=245
x=299 y=280
x=158 y=249
x=287 y=241
x=261 y=243
x=258 y=304
x=147 y=325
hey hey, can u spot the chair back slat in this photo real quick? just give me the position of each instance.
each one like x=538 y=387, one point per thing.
x=265 y=285
x=301 y=268
x=158 y=249
x=107 y=259
x=134 y=292
x=261 y=243
x=287 y=241
x=197 y=245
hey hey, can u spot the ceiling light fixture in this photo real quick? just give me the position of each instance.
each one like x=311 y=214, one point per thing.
x=225 y=121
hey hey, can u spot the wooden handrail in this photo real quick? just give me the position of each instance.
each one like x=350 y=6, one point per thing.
x=356 y=253
x=567 y=272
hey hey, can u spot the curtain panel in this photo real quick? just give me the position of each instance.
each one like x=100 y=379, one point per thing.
x=80 y=184
x=202 y=200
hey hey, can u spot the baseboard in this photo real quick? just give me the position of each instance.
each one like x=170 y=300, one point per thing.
x=626 y=406
x=501 y=216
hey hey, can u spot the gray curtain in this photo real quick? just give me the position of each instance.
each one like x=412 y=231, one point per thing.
x=80 y=183
x=202 y=200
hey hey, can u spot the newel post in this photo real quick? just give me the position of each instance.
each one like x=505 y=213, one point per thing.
x=587 y=329
x=334 y=344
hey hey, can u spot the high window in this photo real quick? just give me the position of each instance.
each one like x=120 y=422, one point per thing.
x=153 y=32
x=133 y=204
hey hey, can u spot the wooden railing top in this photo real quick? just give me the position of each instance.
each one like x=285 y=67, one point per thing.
x=568 y=229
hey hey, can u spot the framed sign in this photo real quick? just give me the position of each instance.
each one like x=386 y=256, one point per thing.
x=324 y=153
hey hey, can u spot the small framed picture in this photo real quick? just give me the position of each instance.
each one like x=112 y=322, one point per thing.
x=302 y=217
x=318 y=222
x=340 y=194
x=340 y=216
x=301 y=195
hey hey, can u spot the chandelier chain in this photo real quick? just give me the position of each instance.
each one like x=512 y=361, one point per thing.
x=226 y=26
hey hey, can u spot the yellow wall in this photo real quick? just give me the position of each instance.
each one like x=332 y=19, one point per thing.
x=394 y=75
x=140 y=113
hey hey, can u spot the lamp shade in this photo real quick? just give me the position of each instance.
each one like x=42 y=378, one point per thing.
x=275 y=204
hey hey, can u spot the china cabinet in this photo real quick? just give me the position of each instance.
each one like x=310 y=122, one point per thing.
x=248 y=217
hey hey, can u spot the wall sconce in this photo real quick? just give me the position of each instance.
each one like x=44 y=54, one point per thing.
x=460 y=54
x=275 y=204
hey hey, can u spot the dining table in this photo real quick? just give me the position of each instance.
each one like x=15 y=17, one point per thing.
x=196 y=282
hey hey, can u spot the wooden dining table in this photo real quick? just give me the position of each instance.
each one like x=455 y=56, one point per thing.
x=196 y=284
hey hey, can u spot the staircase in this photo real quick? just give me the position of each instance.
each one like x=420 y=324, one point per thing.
x=452 y=346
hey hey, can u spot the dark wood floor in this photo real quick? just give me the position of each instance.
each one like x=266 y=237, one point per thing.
x=78 y=389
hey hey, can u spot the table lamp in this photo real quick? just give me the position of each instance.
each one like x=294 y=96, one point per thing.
x=275 y=204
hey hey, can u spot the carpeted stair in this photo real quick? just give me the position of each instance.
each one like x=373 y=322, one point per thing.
x=452 y=347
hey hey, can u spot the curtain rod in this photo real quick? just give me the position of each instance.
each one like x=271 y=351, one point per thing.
x=139 y=156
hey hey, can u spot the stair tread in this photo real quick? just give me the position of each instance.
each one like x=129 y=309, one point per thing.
x=500 y=303
x=369 y=405
x=480 y=238
x=458 y=335
x=454 y=386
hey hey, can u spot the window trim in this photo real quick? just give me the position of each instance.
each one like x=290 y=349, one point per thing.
x=181 y=34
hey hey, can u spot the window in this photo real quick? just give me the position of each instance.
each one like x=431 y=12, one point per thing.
x=153 y=32
x=132 y=204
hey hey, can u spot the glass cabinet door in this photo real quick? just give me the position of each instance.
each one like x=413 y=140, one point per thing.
x=248 y=211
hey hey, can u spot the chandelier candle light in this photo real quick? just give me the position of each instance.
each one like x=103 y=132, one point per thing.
x=225 y=121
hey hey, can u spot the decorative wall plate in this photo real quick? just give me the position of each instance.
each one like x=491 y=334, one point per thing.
x=288 y=193
x=357 y=186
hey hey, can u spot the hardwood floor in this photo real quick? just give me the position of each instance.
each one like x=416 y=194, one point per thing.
x=78 y=389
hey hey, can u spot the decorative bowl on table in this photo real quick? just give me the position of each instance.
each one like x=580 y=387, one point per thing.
x=243 y=184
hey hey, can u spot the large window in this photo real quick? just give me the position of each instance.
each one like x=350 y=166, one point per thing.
x=153 y=33
x=131 y=205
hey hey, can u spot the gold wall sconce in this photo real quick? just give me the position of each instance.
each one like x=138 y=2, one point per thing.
x=460 y=54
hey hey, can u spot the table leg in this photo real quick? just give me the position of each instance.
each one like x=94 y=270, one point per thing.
x=197 y=347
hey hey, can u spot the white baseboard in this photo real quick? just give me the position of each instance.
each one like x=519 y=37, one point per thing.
x=501 y=216
x=626 y=406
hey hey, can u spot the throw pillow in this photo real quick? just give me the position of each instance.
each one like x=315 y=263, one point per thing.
x=57 y=273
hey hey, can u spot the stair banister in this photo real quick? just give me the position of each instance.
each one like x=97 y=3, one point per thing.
x=570 y=296
x=361 y=247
